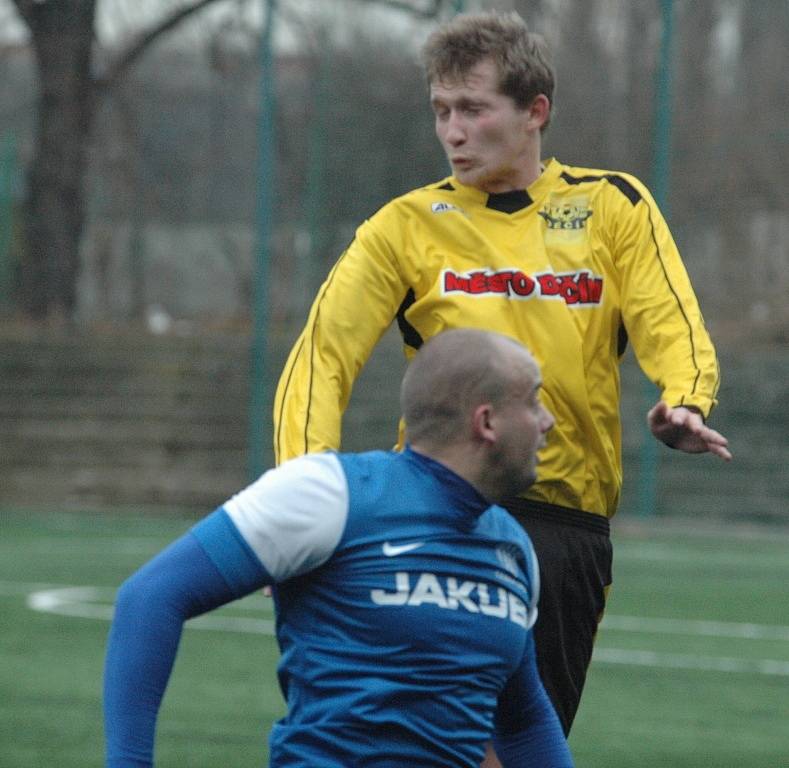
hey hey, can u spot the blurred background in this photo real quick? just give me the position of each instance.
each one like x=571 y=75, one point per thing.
x=177 y=177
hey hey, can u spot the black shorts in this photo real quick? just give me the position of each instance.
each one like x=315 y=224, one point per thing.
x=575 y=556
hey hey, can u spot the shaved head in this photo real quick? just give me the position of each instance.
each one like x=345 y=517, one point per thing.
x=453 y=373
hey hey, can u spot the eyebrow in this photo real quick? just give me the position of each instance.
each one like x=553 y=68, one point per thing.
x=461 y=102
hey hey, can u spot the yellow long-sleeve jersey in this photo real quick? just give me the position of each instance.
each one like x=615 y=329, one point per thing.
x=573 y=267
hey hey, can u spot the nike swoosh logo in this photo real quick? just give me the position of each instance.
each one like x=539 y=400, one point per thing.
x=392 y=550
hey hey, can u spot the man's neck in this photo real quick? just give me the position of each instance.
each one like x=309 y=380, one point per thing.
x=522 y=180
x=458 y=459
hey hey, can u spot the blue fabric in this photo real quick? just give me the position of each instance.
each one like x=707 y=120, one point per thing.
x=541 y=746
x=150 y=610
x=395 y=652
x=527 y=732
x=398 y=659
x=230 y=553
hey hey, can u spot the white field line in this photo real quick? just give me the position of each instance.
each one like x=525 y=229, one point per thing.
x=669 y=553
x=96 y=603
x=696 y=627
x=771 y=667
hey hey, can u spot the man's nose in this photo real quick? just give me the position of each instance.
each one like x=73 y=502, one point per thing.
x=548 y=420
x=456 y=132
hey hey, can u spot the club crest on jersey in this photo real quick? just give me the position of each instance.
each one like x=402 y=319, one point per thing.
x=566 y=216
x=507 y=556
x=582 y=288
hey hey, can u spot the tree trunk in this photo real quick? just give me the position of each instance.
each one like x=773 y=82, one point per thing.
x=62 y=37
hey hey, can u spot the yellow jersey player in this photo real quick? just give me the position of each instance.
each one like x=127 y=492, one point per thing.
x=574 y=262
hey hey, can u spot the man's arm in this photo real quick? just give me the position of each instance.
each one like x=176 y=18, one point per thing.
x=286 y=523
x=659 y=307
x=527 y=729
x=151 y=607
x=352 y=310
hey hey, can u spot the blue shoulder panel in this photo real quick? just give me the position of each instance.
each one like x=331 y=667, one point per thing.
x=230 y=553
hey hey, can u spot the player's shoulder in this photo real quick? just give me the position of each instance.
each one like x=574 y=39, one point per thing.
x=435 y=197
x=301 y=480
x=323 y=466
x=369 y=466
x=426 y=190
x=607 y=181
x=499 y=523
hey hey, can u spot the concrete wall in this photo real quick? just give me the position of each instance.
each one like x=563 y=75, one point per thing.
x=112 y=420
x=123 y=419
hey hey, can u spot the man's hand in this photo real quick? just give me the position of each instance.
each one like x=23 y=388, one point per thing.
x=684 y=429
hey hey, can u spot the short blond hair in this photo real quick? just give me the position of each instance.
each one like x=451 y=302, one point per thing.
x=520 y=56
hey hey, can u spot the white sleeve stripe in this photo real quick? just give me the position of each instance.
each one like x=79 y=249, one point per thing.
x=293 y=517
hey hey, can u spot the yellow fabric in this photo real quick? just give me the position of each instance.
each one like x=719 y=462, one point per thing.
x=589 y=257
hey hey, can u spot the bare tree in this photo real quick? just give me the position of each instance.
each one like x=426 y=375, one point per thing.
x=64 y=44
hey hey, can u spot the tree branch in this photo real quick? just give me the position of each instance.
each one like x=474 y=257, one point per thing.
x=127 y=58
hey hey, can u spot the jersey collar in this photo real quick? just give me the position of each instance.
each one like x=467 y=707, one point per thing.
x=464 y=495
x=515 y=200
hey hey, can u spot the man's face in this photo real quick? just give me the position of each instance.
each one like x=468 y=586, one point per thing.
x=522 y=423
x=488 y=140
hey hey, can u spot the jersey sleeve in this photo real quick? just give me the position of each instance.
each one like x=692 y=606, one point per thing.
x=527 y=731
x=181 y=582
x=285 y=524
x=294 y=516
x=353 y=309
x=659 y=308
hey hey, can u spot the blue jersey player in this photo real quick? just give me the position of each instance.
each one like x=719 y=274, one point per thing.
x=404 y=597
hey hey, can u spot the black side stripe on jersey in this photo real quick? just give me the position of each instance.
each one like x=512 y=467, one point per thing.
x=679 y=304
x=621 y=340
x=282 y=406
x=624 y=186
x=410 y=335
x=319 y=301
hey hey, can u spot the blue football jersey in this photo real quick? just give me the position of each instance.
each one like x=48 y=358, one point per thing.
x=404 y=603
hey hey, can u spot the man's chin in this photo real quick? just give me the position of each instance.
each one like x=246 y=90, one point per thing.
x=516 y=489
x=467 y=176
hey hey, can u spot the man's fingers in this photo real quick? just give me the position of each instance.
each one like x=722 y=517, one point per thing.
x=717 y=444
x=720 y=450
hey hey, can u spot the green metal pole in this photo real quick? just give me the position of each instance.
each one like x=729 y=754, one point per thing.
x=661 y=168
x=265 y=205
x=7 y=174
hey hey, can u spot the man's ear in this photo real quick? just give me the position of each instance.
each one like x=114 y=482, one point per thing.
x=540 y=110
x=482 y=423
